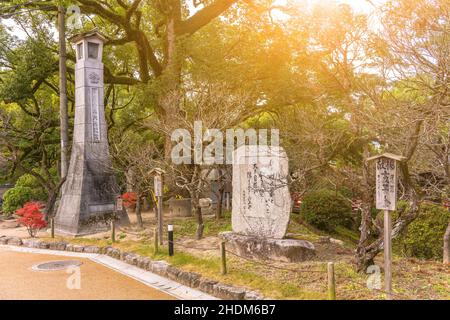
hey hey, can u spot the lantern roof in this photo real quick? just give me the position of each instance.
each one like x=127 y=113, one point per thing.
x=157 y=171
x=90 y=34
x=389 y=156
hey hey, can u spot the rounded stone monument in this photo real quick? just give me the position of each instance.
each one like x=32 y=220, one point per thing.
x=262 y=206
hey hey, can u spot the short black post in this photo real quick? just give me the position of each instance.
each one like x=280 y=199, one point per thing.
x=170 y=235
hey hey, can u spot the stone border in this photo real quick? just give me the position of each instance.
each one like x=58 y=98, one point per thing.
x=161 y=268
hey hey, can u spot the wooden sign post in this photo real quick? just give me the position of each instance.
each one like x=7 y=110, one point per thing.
x=386 y=200
x=158 y=188
x=119 y=204
x=118 y=208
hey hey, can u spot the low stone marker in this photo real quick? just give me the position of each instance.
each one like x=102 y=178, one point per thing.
x=180 y=207
x=262 y=206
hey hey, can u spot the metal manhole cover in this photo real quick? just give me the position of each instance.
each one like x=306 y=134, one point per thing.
x=56 y=265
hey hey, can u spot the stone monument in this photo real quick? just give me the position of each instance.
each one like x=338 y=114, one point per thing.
x=90 y=191
x=262 y=206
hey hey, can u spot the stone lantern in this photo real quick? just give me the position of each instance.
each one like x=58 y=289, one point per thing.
x=89 y=194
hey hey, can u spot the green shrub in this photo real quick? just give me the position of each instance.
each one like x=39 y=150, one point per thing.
x=326 y=209
x=423 y=238
x=27 y=188
x=15 y=198
x=29 y=181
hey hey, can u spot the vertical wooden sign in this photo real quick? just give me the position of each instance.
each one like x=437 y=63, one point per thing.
x=386 y=178
x=119 y=204
x=158 y=186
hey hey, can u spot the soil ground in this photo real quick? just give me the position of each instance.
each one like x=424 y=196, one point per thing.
x=20 y=282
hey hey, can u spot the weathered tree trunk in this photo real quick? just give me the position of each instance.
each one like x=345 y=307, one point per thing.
x=366 y=253
x=155 y=212
x=447 y=245
x=146 y=203
x=130 y=181
x=198 y=216
x=363 y=258
x=138 y=211
x=169 y=102
x=219 y=209
x=64 y=117
x=52 y=196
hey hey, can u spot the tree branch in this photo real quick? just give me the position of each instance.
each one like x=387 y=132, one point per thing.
x=203 y=17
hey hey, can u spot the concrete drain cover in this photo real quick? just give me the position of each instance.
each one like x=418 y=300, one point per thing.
x=56 y=265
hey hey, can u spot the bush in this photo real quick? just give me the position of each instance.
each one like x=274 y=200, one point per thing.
x=27 y=188
x=424 y=237
x=15 y=198
x=326 y=209
x=29 y=181
x=129 y=199
x=32 y=217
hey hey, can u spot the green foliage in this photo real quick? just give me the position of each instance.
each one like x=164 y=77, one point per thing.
x=27 y=188
x=424 y=236
x=326 y=209
x=29 y=181
x=15 y=198
x=346 y=192
x=34 y=62
x=347 y=234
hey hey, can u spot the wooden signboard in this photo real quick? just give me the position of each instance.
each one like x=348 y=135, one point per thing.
x=119 y=204
x=158 y=186
x=386 y=179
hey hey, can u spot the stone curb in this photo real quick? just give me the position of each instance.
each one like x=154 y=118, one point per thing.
x=162 y=268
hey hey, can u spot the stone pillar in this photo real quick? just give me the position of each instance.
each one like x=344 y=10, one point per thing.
x=89 y=193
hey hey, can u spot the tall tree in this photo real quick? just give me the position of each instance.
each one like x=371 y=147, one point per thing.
x=63 y=108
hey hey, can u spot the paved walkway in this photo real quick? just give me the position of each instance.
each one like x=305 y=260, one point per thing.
x=101 y=278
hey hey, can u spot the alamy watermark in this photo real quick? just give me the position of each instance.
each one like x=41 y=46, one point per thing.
x=374 y=280
x=74 y=280
x=212 y=146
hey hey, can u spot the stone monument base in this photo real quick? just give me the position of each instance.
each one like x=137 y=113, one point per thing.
x=92 y=229
x=94 y=225
x=252 y=247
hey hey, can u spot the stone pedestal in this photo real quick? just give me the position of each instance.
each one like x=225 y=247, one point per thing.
x=90 y=191
x=252 y=247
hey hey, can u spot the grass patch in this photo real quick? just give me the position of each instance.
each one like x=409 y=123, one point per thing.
x=212 y=227
x=296 y=226
x=346 y=234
